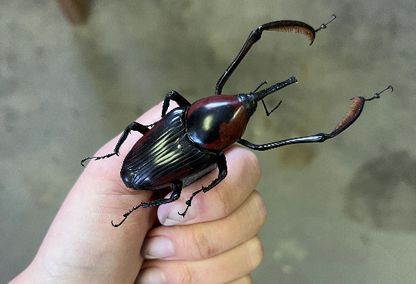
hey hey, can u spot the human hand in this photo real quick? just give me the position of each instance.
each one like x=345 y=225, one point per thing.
x=216 y=242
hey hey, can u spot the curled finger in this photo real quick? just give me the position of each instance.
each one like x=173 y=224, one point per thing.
x=218 y=269
x=205 y=240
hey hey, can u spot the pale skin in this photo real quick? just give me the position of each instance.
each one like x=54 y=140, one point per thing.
x=216 y=242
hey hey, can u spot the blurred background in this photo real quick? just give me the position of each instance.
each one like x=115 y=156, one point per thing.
x=339 y=212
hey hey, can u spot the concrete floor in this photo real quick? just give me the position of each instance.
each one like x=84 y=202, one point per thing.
x=339 y=212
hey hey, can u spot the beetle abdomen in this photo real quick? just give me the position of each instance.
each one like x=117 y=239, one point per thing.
x=164 y=154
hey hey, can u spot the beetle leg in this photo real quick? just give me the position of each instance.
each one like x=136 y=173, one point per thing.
x=134 y=126
x=351 y=116
x=255 y=35
x=177 y=189
x=259 y=86
x=320 y=137
x=176 y=97
x=222 y=168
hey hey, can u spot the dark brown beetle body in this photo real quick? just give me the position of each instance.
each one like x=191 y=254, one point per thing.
x=168 y=153
x=188 y=142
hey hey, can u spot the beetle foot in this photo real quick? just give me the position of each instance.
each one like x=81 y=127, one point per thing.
x=377 y=95
x=122 y=221
x=125 y=215
x=183 y=213
x=98 y=158
x=188 y=204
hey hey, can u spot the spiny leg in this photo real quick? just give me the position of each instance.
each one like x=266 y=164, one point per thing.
x=134 y=126
x=255 y=35
x=177 y=189
x=356 y=109
x=222 y=168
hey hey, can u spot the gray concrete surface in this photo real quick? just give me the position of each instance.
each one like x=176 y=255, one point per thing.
x=339 y=212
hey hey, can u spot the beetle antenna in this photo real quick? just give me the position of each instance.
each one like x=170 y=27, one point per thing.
x=270 y=112
x=324 y=26
x=259 y=86
x=264 y=104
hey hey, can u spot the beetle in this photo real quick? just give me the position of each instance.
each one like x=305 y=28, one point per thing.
x=188 y=142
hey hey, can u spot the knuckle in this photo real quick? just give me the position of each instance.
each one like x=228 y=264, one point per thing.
x=259 y=207
x=252 y=165
x=243 y=280
x=221 y=195
x=246 y=280
x=224 y=197
x=248 y=172
x=255 y=253
x=185 y=273
x=201 y=247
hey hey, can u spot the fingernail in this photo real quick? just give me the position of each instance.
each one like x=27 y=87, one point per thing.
x=151 y=275
x=157 y=247
x=169 y=214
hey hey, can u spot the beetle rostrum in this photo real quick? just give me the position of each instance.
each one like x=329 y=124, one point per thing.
x=188 y=142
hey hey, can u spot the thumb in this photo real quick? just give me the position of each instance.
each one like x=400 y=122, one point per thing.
x=81 y=235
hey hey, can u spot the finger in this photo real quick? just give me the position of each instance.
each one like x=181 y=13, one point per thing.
x=243 y=175
x=243 y=280
x=218 y=269
x=202 y=240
